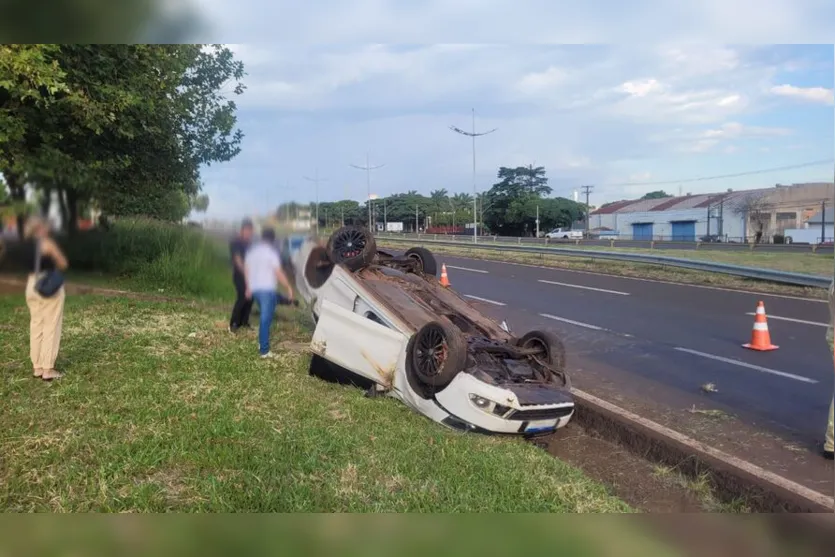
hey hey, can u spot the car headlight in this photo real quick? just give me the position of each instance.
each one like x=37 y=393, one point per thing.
x=482 y=403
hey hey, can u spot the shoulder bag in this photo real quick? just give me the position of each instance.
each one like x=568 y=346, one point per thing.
x=49 y=284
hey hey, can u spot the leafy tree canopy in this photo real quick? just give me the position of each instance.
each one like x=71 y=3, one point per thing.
x=126 y=127
x=660 y=194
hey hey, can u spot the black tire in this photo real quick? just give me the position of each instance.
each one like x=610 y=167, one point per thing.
x=318 y=268
x=552 y=348
x=352 y=246
x=426 y=260
x=438 y=353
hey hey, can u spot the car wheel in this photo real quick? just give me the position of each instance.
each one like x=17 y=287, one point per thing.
x=426 y=261
x=551 y=350
x=438 y=353
x=318 y=268
x=353 y=247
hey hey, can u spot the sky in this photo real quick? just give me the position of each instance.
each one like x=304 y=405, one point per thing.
x=615 y=117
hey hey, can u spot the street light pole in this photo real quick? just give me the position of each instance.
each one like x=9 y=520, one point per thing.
x=316 y=181
x=368 y=168
x=473 y=135
x=537 y=221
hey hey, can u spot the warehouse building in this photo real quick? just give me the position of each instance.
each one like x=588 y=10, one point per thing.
x=733 y=216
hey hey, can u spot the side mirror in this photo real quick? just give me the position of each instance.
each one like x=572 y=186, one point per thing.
x=506 y=327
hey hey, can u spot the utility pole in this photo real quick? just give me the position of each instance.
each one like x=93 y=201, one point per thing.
x=385 y=216
x=316 y=181
x=823 y=221
x=709 y=210
x=473 y=135
x=587 y=191
x=417 y=221
x=721 y=216
x=368 y=168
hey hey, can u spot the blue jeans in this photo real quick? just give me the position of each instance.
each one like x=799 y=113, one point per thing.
x=266 y=300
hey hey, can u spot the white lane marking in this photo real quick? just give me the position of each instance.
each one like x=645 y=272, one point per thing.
x=495 y=303
x=467 y=269
x=584 y=287
x=670 y=282
x=793 y=320
x=572 y=322
x=747 y=365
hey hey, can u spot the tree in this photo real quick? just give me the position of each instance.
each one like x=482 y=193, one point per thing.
x=756 y=208
x=659 y=194
x=200 y=203
x=126 y=126
x=509 y=199
x=30 y=82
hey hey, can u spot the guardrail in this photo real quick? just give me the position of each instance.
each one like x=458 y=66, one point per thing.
x=667 y=244
x=771 y=275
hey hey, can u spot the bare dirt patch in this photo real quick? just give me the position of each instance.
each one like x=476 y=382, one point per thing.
x=633 y=479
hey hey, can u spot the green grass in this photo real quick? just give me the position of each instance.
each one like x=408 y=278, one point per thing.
x=817 y=263
x=161 y=409
x=634 y=270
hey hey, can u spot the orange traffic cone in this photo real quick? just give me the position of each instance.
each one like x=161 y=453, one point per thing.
x=444 y=277
x=760 y=339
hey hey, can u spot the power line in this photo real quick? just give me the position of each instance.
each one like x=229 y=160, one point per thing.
x=368 y=168
x=473 y=134
x=720 y=176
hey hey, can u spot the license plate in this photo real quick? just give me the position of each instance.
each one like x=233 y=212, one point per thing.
x=540 y=427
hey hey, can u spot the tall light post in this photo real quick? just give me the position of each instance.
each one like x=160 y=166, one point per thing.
x=473 y=134
x=368 y=168
x=316 y=181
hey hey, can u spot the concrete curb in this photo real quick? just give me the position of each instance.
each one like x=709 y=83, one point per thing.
x=733 y=477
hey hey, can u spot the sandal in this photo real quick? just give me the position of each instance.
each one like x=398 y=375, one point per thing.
x=51 y=374
x=38 y=373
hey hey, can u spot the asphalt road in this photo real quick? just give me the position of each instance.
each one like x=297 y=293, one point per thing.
x=662 y=342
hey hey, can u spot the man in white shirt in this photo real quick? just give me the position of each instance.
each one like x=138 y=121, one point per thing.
x=262 y=269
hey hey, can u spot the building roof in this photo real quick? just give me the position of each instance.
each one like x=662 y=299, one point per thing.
x=730 y=199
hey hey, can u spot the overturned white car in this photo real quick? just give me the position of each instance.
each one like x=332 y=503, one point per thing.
x=387 y=319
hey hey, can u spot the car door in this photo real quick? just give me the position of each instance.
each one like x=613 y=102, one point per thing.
x=357 y=343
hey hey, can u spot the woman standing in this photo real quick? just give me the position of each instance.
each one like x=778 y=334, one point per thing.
x=46 y=313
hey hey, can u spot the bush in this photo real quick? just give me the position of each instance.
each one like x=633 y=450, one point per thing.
x=150 y=255
x=154 y=254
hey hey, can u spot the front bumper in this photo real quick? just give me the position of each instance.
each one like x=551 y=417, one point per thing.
x=464 y=399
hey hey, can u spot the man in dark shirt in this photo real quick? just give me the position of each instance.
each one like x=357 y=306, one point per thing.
x=237 y=249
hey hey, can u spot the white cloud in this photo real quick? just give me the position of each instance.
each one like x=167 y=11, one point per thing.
x=588 y=114
x=641 y=88
x=810 y=94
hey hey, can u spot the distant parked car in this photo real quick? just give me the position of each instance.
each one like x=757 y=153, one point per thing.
x=565 y=234
x=711 y=238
